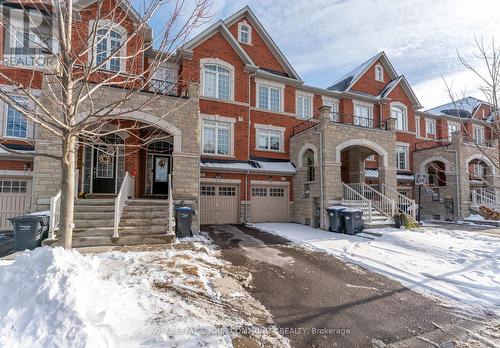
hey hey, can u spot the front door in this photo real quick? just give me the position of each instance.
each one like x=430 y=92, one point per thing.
x=161 y=169
x=104 y=176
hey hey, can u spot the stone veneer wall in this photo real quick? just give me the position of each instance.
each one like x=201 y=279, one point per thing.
x=186 y=155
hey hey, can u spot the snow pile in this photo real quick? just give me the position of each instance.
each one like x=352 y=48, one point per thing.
x=455 y=265
x=55 y=297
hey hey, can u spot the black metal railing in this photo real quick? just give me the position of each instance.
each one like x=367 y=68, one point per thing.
x=432 y=143
x=174 y=89
x=305 y=125
x=365 y=122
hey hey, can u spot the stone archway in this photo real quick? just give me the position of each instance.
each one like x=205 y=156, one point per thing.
x=363 y=143
x=480 y=158
x=303 y=150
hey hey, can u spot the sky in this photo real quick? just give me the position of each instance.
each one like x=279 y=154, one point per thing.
x=324 y=39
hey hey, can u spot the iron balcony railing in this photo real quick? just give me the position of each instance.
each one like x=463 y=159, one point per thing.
x=336 y=117
x=174 y=89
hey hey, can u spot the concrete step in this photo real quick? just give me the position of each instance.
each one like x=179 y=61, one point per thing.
x=378 y=224
x=132 y=208
x=94 y=223
x=148 y=214
x=124 y=240
x=94 y=208
x=148 y=202
x=123 y=231
x=93 y=232
x=143 y=222
x=94 y=215
x=109 y=201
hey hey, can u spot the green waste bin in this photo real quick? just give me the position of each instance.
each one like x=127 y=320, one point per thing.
x=30 y=230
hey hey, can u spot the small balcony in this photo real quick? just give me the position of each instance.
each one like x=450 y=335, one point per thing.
x=358 y=121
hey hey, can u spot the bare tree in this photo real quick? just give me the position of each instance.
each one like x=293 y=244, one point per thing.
x=80 y=67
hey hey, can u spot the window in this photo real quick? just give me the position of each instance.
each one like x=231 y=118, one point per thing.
x=207 y=190
x=399 y=114
x=259 y=192
x=371 y=158
x=216 y=82
x=430 y=126
x=12 y=186
x=304 y=106
x=478 y=170
x=417 y=126
x=244 y=33
x=269 y=98
x=227 y=191
x=334 y=106
x=108 y=45
x=402 y=157
x=363 y=115
x=216 y=138
x=276 y=192
x=16 y=123
x=309 y=161
x=479 y=135
x=379 y=73
x=269 y=140
x=452 y=128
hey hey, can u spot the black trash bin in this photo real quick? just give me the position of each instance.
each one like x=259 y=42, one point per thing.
x=30 y=230
x=398 y=220
x=183 y=221
x=353 y=219
x=336 y=219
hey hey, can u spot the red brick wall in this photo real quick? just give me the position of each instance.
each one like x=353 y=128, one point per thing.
x=258 y=51
x=368 y=84
x=14 y=164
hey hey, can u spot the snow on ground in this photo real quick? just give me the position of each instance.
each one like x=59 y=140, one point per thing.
x=54 y=297
x=462 y=267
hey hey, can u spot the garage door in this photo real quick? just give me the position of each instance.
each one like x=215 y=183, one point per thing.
x=269 y=204
x=219 y=204
x=15 y=199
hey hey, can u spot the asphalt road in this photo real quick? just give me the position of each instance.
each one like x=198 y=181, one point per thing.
x=320 y=301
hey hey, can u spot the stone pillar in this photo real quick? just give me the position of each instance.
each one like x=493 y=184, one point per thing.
x=186 y=183
x=356 y=167
x=391 y=124
x=388 y=176
x=324 y=114
x=332 y=189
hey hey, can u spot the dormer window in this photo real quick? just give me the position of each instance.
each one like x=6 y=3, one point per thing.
x=244 y=33
x=379 y=73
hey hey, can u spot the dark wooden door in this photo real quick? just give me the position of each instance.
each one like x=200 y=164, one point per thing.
x=104 y=176
x=161 y=170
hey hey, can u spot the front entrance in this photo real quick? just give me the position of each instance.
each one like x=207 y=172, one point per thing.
x=161 y=171
x=104 y=176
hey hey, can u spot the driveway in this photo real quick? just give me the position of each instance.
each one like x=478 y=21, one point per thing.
x=320 y=301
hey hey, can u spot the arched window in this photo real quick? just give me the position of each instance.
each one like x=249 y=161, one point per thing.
x=109 y=42
x=216 y=82
x=379 y=73
x=399 y=114
x=310 y=165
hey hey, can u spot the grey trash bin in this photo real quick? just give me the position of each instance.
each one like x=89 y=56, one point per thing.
x=30 y=230
x=353 y=219
x=336 y=219
x=183 y=221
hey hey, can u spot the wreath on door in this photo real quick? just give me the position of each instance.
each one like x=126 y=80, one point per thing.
x=161 y=163
x=104 y=158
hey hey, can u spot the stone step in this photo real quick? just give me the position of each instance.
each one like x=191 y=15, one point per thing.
x=378 y=224
x=124 y=240
x=123 y=231
x=142 y=208
x=147 y=214
x=94 y=208
x=143 y=222
x=93 y=232
x=94 y=215
x=147 y=202
x=109 y=201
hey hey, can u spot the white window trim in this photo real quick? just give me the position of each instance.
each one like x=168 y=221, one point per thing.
x=427 y=121
x=451 y=123
x=108 y=24
x=272 y=84
x=474 y=128
x=268 y=127
x=244 y=23
x=407 y=159
x=401 y=106
x=217 y=118
x=304 y=94
x=29 y=125
x=378 y=68
x=417 y=127
x=365 y=104
x=224 y=64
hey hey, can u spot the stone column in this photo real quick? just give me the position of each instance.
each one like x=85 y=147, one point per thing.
x=388 y=176
x=356 y=167
x=332 y=189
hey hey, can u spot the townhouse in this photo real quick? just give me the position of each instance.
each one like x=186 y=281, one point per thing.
x=254 y=143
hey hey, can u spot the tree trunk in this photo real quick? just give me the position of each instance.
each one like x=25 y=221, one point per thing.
x=66 y=223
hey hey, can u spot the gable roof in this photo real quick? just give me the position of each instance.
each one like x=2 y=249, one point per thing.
x=248 y=13
x=346 y=82
x=124 y=4
x=401 y=80
x=463 y=108
x=213 y=29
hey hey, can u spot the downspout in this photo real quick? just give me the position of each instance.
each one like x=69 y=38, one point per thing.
x=249 y=128
x=321 y=204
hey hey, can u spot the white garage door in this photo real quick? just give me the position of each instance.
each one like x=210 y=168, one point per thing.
x=15 y=199
x=219 y=204
x=269 y=204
